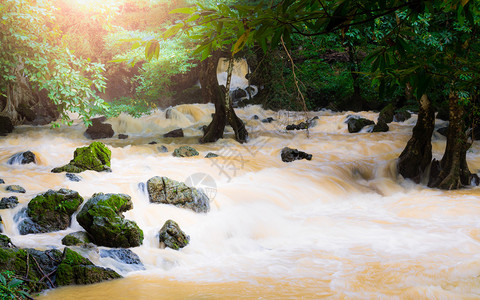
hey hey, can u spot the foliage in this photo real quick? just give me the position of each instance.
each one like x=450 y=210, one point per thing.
x=132 y=106
x=11 y=287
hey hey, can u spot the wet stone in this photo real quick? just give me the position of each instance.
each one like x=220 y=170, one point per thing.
x=122 y=136
x=73 y=177
x=8 y=202
x=211 y=154
x=15 y=189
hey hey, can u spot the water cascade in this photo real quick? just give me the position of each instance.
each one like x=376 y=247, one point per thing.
x=240 y=88
x=342 y=225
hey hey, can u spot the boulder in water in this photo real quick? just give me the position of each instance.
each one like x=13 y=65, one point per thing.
x=75 y=269
x=8 y=202
x=386 y=114
x=78 y=238
x=6 y=125
x=22 y=158
x=99 y=130
x=15 y=189
x=162 y=149
x=167 y=191
x=289 y=155
x=122 y=136
x=402 y=116
x=50 y=211
x=125 y=256
x=355 y=123
x=211 y=154
x=185 y=151
x=268 y=120
x=2 y=181
x=174 y=133
x=303 y=125
x=381 y=126
x=102 y=218
x=95 y=157
x=73 y=177
x=172 y=236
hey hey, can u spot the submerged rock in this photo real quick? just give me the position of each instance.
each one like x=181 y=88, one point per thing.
x=355 y=123
x=185 y=151
x=381 y=126
x=174 y=133
x=268 y=120
x=76 y=269
x=6 y=125
x=162 y=149
x=94 y=157
x=168 y=191
x=122 y=136
x=102 y=218
x=211 y=154
x=22 y=158
x=172 y=236
x=99 y=130
x=125 y=256
x=50 y=211
x=8 y=202
x=303 y=125
x=78 y=238
x=15 y=189
x=2 y=181
x=289 y=155
x=73 y=177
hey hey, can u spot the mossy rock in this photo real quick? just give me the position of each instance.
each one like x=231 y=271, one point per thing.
x=5 y=241
x=168 y=191
x=102 y=218
x=95 y=157
x=185 y=151
x=381 y=126
x=51 y=211
x=78 y=238
x=172 y=236
x=386 y=114
x=76 y=269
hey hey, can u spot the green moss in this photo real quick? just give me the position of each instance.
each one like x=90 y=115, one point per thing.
x=94 y=157
x=72 y=258
x=65 y=275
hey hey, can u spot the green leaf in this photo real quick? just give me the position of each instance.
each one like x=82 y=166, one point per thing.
x=183 y=10
x=240 y=42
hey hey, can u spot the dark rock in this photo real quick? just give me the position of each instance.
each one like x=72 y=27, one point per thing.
x=255 y=117
x=152 y=143
x=402 y=116
x=5 y=241
x=95 y=157
x=168 y=113
x=172 y=236
x=174 y=133
x=268 y=120
x=185 y=151
x=22 y=158
x=162 y=149
x=386 y=114
x=474 y=180
x=125 y=256
x=289 y=155
x=122 y=136
x=355 y=123
x=15 y=189
x=443 y=130
x=303 y=125
x=99 y=130
x=2 y=181
x=8 y=202
x=381 y=126
x=78 y=238
x=210 y=155
x=168 y=191
x=50 y=211
x=6 y=125
x=73 y=177
x=75 y=269
x=102 y=218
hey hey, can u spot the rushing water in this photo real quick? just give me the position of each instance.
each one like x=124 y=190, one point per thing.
x=342 y=225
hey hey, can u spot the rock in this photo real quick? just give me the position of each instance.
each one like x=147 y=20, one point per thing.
x=268 y=120
x=402 y=116
x=381 y=126
x=6 y=125
x=2 y=181
x=122 y=136
x=95 y=157
x=99 y=130
x=5 y=241
x=185 y=151
x=355 y=123
x=386 y=114
x=50 y=211
x=15 y=189
x=22 y=158
x=443 y=130
x=303 y=125
x=125 y=256
x=102 y=218
x=78 y=238
x=172 y=236
x=174 y=133
x=73 y=177
x=8 y=202
x=210 y=155
x=75 y=269
x=168 y=113
x=168 y=191
x=162 y=149
x=255 y=117
x=152 y=143
x=289 y=155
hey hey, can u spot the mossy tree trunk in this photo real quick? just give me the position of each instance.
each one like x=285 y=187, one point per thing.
x=452 y=171
x=417 y=155
x=224 y=112
x=19 y=97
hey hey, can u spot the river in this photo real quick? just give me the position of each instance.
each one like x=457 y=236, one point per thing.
x=342 y=226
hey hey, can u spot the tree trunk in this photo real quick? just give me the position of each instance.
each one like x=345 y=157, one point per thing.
x=452 y=172
x=19 y=95
x=417 y=155
x=224 y=111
